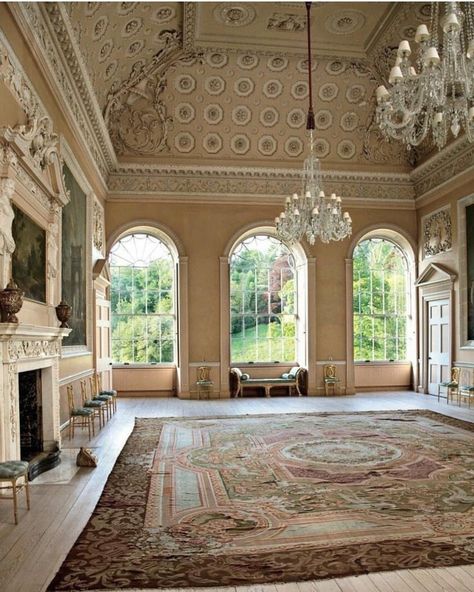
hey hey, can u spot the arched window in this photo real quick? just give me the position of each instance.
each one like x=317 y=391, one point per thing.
x=263 y=301
x=143 y=300
x=381 y=301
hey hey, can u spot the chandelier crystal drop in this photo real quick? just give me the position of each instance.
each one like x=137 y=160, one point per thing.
x=434 y=90
x=312 y=214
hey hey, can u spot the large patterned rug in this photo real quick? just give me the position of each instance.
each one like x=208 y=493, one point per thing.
x=279 y=498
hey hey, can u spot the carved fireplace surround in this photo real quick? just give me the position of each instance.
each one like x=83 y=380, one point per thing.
x=29 y=347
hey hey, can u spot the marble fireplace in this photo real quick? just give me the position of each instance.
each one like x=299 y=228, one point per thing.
x=30 y=354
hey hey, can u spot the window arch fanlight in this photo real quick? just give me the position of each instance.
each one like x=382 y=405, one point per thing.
x=266 y=300
x=381 y=300
x=143 y=298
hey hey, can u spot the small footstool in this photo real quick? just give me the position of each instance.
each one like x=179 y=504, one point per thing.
x=12 y=471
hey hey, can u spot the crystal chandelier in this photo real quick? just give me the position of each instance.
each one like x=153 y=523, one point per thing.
x=312 y=214
x=432 y=92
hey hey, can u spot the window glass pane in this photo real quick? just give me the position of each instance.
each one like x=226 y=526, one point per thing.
x=379 y=301
x=142 y=294
x=263 y=295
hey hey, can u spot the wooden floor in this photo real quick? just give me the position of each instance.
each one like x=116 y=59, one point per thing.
x=32 y=552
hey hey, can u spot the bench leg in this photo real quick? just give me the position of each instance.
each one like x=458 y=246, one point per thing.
x=267 y=391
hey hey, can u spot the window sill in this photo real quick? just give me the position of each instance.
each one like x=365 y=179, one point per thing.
x=262 y=364
x=382 y=363
x=142 y=366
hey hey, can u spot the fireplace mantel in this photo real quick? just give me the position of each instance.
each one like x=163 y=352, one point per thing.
x=29 y=347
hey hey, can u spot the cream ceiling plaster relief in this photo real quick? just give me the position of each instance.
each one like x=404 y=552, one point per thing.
x=199 y=83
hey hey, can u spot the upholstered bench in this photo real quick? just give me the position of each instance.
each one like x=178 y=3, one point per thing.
x=295 y=379
x=11 y=471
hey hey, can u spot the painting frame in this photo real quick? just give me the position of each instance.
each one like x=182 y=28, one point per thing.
x=466 y=269
x=29 y=256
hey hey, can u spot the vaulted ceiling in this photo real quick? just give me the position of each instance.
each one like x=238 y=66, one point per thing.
x=198 y=81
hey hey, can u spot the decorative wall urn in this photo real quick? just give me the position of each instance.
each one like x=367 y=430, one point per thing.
x=11 y=301
x=63 y=312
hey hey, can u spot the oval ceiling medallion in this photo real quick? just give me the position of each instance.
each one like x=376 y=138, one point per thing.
x=213 y=114
x=267 y=145
x=299 y=90
x=240 y=144
x=185 y=83
x=269 y=117
x=272 y=89
x=216 y=59
x=241 y=115
x=247 y=61
x=184 y=113
x=346 y=149
x=244 y=87
x=293 y=146
x=355 y=93
x=277 y=63
x=234 y=15
x=323 y=119
x=215 y=85
x=212 y=143
x=164 y=14
x=321 y=147
x=328 y=92
x=184 y=142
x=349 y=121
x=295 y=118
x=344 y=22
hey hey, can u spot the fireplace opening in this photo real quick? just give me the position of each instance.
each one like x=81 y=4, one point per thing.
x=31 y=414
x=31 y=425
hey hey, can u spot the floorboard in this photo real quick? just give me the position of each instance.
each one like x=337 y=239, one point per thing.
x=63 y=499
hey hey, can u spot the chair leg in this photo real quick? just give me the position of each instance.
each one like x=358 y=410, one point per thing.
x=15 y=501
x=27 y=490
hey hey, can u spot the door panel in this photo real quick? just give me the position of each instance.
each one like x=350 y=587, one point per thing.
x=439 y=343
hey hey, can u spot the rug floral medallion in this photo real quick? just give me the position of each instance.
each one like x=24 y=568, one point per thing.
x=279 y=498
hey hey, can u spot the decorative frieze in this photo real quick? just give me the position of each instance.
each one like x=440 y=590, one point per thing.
x=223 y=183
x=437 y=232
x=19 y=350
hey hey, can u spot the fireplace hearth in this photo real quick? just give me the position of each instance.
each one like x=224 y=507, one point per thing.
x=31 y=425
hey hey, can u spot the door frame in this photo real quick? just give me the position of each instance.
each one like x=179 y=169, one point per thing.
x=436 y=282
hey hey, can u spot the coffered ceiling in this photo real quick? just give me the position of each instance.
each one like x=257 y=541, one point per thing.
x=206 y=83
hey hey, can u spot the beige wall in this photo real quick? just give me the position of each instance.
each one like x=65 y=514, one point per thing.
x=451 y=260
x=205 y=231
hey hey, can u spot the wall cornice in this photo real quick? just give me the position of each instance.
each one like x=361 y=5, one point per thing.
x=227 y=184
x=78 y=109
x=443 y=167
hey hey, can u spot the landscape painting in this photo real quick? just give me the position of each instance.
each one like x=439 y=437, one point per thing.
x=29 y=256
x=74 y=262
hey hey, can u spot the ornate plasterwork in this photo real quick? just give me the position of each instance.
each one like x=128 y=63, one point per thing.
x=90 y=127
x=19 y=350
x=15 y=79
x=456 y=158
x=437 y=232
x=225 y=183
x=98 y=226
x=7 y=244
x=234 y=14
x=13 y=388
x=345 y=22
x=283 y=21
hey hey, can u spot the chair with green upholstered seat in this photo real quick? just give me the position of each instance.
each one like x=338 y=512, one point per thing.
x=98 y=407
x=451 y=385
x=96 y=396
x=12 y=471
x=109 y=392
x=466 y=391
x=79 y=416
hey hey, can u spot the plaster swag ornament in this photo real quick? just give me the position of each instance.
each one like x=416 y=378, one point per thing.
x=98 y=227
x=38 y=132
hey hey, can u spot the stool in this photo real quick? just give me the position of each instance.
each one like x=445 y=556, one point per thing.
x=12 y=470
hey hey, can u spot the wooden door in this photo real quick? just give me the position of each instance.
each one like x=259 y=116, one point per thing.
x=439 y=344
x=102 y=340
